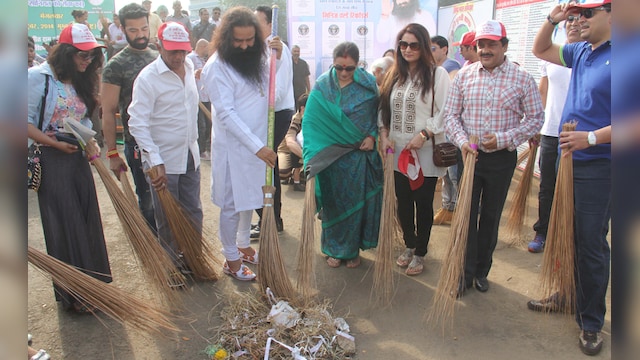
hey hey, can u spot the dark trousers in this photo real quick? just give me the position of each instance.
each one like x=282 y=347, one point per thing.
x=204 y=128
x=283 y=120
x=490 y=187
x=592 y=198
x=548 y=160
x=145 y=203
x=415 y=211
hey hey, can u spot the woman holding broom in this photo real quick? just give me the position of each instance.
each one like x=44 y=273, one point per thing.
x=411 y=102
x=339 y=150
x=65 y=87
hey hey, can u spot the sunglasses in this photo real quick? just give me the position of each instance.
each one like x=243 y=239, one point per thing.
x=349 y=68
x=86 y=55
x=589 y=13
x=413 y=46
x=572 y=18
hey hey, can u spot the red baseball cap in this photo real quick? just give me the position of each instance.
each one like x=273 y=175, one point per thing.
x=174 y=36
x=409 y=165
x=468 y=39
x=492 y=30
x=588 y=4
x=79 y=36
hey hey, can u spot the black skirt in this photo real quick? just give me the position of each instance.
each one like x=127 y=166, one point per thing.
x=71 y=216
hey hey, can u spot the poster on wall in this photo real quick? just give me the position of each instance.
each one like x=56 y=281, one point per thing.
x=318 y=26
x=47 y=18
x=456 y=20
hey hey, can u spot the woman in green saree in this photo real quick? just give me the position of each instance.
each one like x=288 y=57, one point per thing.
x=340 y=132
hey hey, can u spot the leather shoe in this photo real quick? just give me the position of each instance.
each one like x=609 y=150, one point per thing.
x=462 y=287
x=481 y=284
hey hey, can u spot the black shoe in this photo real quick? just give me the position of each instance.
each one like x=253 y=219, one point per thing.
x=481 y=284
x=590 y=342
x=550 y=304
x=298 y=187
x=254 y=233
x=462 y=287
x=279 y=225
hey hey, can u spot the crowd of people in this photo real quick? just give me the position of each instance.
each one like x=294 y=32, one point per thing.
x=188 y=92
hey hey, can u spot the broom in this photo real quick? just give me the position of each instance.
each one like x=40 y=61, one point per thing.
x=306 y=275
x=197 y=252
x=452 y=270
x=272 y=273
x=115 y=303
x=519 y=200
x=383 y=283
x=154 y=261
x=558 y=260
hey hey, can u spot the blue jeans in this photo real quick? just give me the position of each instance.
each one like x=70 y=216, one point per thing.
x=592 y=198
x=548 y=160
x=450 y=183
x=132 y=154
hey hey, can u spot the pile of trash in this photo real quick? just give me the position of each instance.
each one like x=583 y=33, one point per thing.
x=251 y=329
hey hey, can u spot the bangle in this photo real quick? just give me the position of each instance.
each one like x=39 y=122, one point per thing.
x=94 y=157
x=113 y=153
x=372 y=138
x=550 y=20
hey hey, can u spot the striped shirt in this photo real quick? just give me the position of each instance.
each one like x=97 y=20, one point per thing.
x=505 y=102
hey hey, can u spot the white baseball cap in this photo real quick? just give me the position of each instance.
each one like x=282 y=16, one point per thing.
x=174 y=36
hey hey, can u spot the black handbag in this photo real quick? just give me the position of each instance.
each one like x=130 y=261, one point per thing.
x=444 y=154
x=34 y=166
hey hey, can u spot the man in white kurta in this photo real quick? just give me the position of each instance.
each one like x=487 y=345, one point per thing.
x=163 y=120
x=236 y=79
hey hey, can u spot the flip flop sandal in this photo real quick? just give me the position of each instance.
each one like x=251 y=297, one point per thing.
x=333 y=262
x=353 y=263
x=243 y=274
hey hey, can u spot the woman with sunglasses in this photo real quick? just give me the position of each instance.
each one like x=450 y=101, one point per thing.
x=339 y=132
x=412 y=97
x=64 y=87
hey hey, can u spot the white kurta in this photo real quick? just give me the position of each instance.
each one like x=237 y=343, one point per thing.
x=239 y=130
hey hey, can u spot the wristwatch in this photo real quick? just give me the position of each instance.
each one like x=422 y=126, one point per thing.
x=591 y=138
x=550 y=19
x=424 y=134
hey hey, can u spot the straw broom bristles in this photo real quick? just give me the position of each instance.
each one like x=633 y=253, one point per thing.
x=383 y=282
x=558 y=261
x=271 y=271
x=127 y=189
x=154 y=261
x=306 y=275
x=197 y=252
x=115 y=303
x=519 y=201
x=452 y=270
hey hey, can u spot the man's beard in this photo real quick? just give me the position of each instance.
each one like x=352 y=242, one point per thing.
x=137 y=45
x=248 y=62
x=406 y=11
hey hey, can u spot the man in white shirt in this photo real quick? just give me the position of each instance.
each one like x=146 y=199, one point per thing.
x=163 y=120
x=285 y=107
x=236 y=77
x=199 y=57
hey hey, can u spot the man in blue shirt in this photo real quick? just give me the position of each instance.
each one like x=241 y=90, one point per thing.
x=589 y=103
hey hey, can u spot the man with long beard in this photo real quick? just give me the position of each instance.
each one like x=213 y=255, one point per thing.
x=403 y=13
x=117 y=86
x=237 y=80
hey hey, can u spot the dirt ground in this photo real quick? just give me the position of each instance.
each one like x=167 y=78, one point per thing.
x=492 y=325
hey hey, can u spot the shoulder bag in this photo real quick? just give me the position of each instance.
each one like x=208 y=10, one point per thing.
x=444 y=154
x=34 y=166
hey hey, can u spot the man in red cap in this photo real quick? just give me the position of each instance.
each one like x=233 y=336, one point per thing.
x=164 y=121
x=499 y=102
x=589 y=103
x=468 y=47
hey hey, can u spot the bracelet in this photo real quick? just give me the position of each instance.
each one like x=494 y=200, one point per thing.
x=372 y=138
x=113 y=153
x=424 y=134
x=94 y=157
x=550 y=20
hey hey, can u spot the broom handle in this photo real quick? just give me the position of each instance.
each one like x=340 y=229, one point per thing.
x=272 y=92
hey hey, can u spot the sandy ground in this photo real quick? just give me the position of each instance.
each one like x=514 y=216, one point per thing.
x=492 y=325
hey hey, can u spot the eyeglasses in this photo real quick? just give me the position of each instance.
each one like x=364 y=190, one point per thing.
x=572 y=18
x=433 y=48
x=85 y=55
x=413 y=46
x=349 y=68
x=589 y=13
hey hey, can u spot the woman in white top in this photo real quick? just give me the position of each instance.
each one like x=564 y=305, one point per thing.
x=412 y=98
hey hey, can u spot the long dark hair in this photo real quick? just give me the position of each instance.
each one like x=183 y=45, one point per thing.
x=399 y=73
x=85 y=83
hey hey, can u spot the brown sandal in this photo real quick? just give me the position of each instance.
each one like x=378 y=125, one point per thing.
x=353 y=263
x=333 y=262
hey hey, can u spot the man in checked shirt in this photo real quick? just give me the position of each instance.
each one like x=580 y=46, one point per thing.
x=499 y=102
